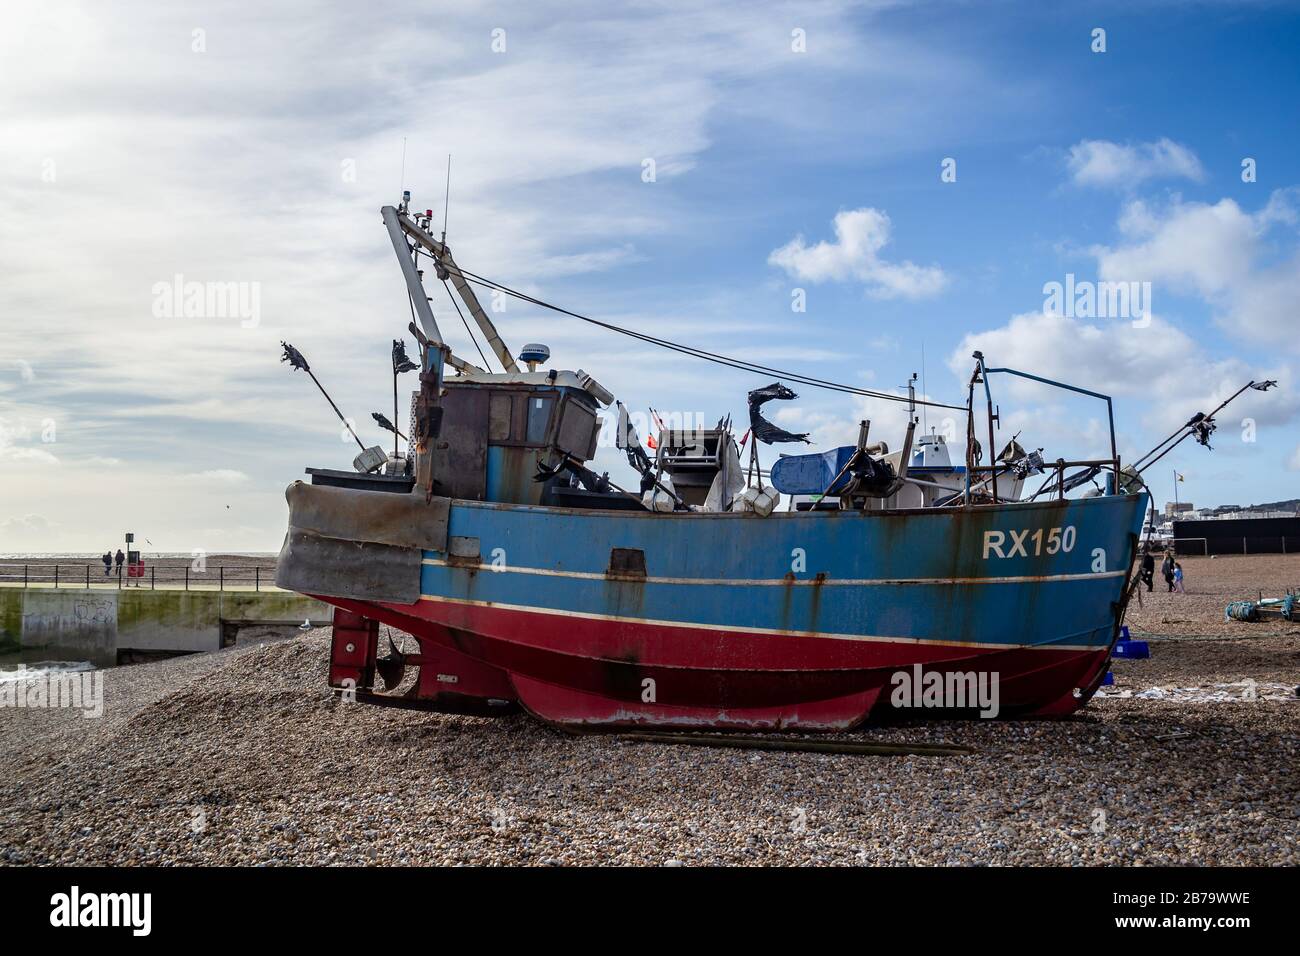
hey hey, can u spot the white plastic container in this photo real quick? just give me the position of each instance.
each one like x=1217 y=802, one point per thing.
x=372 y=459
x=657 y=499
x=761 y=501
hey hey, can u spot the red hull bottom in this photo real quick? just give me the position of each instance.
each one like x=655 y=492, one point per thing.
x=580 y=675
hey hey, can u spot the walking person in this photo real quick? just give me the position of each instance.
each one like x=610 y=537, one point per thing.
x=119 y=557
x=1178 y=578
x=108 y=563
x=1148 y=568
x=1167 y=569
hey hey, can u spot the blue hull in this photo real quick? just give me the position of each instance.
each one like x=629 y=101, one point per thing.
x=988 y=577
x=805 y=621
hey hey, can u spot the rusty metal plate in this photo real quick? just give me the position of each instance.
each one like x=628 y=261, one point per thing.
x=461 y=547
x=379 y=517
x=310 y=563
x=626 y=563
x=460 y=458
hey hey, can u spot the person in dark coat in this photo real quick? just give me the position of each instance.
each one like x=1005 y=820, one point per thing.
x=108 y=563
x=119 y=557
x=1148 y=568
x=1167 y=569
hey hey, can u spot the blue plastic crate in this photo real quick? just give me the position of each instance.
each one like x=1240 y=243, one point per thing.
x=812 y=474
x=1131 y=650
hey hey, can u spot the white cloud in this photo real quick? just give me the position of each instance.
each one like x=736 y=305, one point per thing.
x=1162 y=373
x=1101 y=163
x=1195 y=247
x=31 y=524
x=248 y=144
x=224 y=475
x=24 y=369
x=1263 y=307
x=860 y=234
x=18 y=443
x=1217 y=252
x=29 y=454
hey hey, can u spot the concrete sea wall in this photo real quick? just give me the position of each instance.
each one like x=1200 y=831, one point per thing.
x=95 y=625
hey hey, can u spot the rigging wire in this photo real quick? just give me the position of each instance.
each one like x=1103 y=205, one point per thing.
x=925 y=424
x=715 y=357
x=416 y=252
x=467 y=328
x=446 y=201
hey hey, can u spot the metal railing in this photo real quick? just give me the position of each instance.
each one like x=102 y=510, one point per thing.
x=1055 y=470
x=1114 y=484
x=153 y=577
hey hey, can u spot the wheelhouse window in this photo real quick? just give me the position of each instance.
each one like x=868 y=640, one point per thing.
x=539 y=417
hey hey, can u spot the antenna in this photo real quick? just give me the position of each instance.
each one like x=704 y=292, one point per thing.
x=402 y=184
x=924 y=422
x=446 y=201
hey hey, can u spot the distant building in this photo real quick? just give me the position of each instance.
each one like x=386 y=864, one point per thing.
x=1177 y=508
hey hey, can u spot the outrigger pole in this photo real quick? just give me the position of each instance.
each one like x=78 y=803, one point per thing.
x=386 y=425
x=297 y=360
x=1198 y=423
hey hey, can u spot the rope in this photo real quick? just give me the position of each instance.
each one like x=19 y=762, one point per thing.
x=715 y=357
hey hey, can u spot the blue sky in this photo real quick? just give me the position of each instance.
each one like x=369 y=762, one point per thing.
x=234 y=143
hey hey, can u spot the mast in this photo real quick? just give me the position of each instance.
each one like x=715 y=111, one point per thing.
x=447 y=269
x=435 y=353
x=414 y=287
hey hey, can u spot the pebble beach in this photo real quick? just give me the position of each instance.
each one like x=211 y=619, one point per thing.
x=244 y=757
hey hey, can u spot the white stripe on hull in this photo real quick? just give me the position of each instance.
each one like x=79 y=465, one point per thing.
x=765 y=631
x=778 y=582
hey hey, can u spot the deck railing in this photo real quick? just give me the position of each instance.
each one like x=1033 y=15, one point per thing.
x=153 y=577
x=982 y=375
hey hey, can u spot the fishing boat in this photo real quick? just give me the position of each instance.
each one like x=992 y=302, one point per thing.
x=892 y=585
